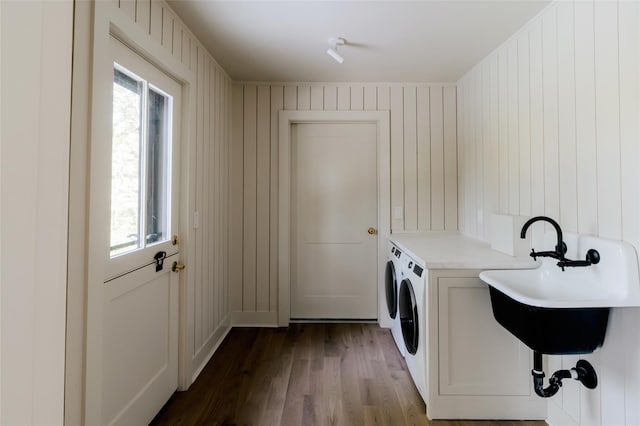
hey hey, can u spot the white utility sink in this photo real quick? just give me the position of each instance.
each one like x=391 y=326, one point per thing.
x=566 y=312
x=613 y=282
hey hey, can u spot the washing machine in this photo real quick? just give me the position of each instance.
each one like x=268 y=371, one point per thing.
x=411 y=302
x=393 y=271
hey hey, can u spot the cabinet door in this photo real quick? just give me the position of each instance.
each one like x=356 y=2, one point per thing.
x=476 y=355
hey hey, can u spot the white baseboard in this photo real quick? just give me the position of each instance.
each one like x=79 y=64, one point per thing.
x=211 y=346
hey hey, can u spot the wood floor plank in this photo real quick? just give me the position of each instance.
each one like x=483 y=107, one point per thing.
x=306 y=374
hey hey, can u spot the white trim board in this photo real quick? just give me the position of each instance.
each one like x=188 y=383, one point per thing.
x=286 y=119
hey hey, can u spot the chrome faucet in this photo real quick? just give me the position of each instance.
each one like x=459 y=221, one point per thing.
x=592 y=257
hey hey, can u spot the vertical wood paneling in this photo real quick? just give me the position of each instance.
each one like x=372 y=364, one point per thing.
x=250 y=194
x=344 y=98
x=219 y=204
x=576 y=114
x=470 y=157
x=205 y=229
x=478 y=152
x=608 y=119
x=437 y=159
x=487 y=143
x=304 y=98
x=129 y=8
x=410 y=151
x=167 y=29
x=383 y=98
x=504 y=132
x=199 y=190
x=226 y=199
x=587 y=179
x=213 y=263
x=397 y=156
x=524 y=128
x=194 y=58
x=537 y=127
x=176 y=44
x=317 y=98
x=236 y=200
x=143 y=14
x=629 y=17
x=450 y=159
x=492 y=159
x=370 y=98
x=512 y=125
x=290 y=97
x=462 y=144
x=186 y=49
x=277 y=103
x=330 y=98
x=156 y=22
x=263 y=177
x=411 y=111
x=357 y=98
x=567 y=119
x=550 y=118
x=423 y=158
x=609 y=189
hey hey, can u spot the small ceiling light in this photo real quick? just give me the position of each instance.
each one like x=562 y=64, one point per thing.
x=334 y=42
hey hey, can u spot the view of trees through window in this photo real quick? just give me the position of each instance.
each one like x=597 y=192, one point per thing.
x=139 y=164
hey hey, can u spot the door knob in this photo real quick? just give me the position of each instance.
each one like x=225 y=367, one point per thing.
x=177 y=266
x=372 y=230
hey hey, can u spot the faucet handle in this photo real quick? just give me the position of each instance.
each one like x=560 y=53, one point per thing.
x=593 y=256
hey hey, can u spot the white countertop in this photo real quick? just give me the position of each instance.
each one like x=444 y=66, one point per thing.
x=452 y=250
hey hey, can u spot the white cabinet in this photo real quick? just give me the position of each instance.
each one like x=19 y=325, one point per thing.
x=475 y=368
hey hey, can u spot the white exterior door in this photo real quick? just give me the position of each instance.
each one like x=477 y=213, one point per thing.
x=334 y=187
x=138 y=355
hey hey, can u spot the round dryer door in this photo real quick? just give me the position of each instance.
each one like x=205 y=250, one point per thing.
x=409 y=316
x=391 y=289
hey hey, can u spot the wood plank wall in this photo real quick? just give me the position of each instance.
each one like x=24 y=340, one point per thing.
x=549 y=124
x=209 y=263
x=423 y=171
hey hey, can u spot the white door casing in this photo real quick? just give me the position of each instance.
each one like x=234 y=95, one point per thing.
x=334 y=201
x=286 y=120
x=112 y=293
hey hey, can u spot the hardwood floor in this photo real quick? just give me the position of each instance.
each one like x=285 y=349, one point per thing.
x=307 y=374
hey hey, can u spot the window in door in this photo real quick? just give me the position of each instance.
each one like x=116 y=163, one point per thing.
x=140 y=165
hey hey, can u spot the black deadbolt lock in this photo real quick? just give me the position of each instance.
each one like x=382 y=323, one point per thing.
x=159 y=258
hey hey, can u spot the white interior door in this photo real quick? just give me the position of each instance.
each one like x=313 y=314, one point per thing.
x=140 y=291
x=334 y=203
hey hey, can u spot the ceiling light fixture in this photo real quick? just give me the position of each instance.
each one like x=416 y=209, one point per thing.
x=334 y=42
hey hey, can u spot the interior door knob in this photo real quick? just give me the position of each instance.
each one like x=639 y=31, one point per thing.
x=372 y=230
x=177 y=266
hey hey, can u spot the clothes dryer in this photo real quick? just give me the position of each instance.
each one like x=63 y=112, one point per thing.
x=393 y=271
x=412 y=321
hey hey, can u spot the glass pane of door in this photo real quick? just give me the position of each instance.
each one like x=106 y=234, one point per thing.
x=125 y=162
x=141 y=167
x=158 y=182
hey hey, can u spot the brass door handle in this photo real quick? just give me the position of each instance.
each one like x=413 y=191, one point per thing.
x=372 y=230
x=177 y=266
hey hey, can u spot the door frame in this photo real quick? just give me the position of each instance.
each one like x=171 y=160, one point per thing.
x=109 y=21
x=286 y=120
